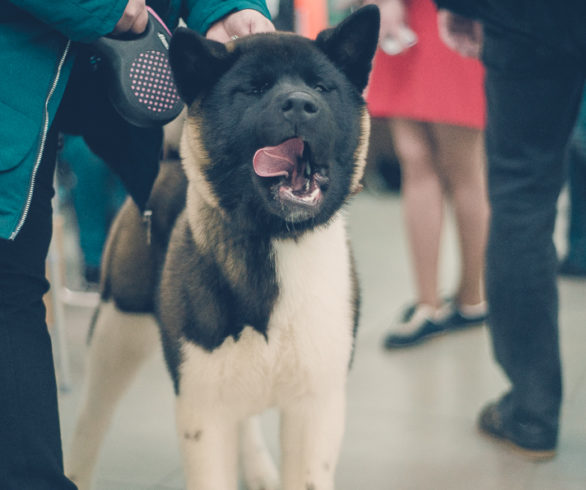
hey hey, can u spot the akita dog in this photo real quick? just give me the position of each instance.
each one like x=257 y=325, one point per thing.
x=246 y=266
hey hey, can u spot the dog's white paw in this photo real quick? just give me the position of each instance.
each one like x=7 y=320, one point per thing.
x=260 y=472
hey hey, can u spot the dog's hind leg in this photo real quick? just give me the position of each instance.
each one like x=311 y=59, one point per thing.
x=119 y=344
x=259 y=470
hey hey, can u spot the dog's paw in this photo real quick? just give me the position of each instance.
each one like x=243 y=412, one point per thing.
x=260 y=473
x=261 y=483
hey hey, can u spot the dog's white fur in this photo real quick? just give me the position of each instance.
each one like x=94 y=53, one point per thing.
x=301 y=368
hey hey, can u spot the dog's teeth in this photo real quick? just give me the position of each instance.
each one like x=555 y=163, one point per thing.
x=307 y=186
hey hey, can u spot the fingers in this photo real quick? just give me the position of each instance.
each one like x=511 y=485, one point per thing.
x=217 y=32
x=134 y=18
x=239 y=24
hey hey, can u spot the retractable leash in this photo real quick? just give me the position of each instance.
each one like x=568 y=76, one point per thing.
x=140 y=83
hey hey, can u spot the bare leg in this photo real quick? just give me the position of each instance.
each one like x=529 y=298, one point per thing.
x=460 y=156
x=120 y=343
x=423 y=203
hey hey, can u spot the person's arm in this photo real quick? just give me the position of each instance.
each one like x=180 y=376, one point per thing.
x=87 y=20
x=222 y=19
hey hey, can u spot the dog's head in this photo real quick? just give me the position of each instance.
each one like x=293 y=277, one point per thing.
x=277 y=128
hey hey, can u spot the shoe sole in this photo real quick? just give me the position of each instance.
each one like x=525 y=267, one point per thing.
x=432 y=336
x=533 y=455
x=419 y=341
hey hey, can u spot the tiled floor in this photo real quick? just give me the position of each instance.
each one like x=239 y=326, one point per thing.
x=411 y=414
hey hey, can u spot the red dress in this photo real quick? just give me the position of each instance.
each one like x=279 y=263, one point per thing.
x=428 y=82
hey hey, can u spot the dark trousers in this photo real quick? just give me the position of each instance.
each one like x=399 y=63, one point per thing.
x=30 y=439
x=533 y=95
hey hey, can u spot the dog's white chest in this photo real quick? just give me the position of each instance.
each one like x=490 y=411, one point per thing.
x=309 y=338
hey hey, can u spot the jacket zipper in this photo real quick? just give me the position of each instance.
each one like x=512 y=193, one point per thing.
x=42 y=142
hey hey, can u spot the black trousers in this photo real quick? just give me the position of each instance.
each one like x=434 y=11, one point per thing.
x=533 y=94
x=30 y=439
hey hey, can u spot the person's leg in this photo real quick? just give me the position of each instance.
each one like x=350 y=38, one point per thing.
x=97 y=195
x=423 y=204
x=532 y=101
x=89 y=197
x=461 y=163
x=30 y=439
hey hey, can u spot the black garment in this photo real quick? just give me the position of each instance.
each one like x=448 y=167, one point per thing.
x=133 y=153
x=533 y=93
x=554 y=23
x=30 y=439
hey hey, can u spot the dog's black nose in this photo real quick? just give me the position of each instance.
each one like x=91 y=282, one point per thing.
x=299 y=106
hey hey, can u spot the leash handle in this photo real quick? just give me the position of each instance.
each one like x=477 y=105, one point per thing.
x=140 y=82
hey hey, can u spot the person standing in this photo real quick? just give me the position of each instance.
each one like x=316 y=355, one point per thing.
x=434 y=100
x=535 y=59
x=39 y=41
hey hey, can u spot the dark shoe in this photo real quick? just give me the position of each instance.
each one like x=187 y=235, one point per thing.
x=528 y=437
x=92 y=278
x=415 y=326
x=568 y=269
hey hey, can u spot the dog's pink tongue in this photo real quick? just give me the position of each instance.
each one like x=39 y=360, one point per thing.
x=274 y=161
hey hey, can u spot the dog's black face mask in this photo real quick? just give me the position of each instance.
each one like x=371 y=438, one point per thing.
x=281 y=118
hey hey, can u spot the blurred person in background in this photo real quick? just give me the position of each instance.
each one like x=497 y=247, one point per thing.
x=435 y=101
x=95 y=194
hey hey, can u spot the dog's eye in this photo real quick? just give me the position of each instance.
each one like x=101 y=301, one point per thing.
x=319 y=87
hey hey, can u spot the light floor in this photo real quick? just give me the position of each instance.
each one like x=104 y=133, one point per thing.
x=411 y=414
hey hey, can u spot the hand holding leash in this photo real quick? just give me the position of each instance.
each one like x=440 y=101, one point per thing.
x=134 y=18
x=139 y=80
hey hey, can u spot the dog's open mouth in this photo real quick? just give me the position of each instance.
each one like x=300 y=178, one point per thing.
x=300 y=181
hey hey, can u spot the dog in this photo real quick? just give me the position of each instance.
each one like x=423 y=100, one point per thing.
x=244 y=273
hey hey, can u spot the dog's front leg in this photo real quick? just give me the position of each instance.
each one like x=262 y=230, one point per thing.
x=311 y=435
x=209 y=444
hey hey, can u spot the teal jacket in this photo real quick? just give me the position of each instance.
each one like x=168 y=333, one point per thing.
x=38 y=42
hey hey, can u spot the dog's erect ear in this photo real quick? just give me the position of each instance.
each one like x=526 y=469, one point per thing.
x=352 y=43
x=196 y=62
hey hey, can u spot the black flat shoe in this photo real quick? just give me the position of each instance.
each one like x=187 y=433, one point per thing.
x=529 y=438
x=415 y=326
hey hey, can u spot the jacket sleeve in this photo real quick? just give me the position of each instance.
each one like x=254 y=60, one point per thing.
x=79 y=20
x=199 y=15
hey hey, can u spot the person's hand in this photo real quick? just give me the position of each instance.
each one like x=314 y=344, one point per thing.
x=394 y=34
x=134 y=19
x=393 y=18
x=238 y=24
x=462 y=34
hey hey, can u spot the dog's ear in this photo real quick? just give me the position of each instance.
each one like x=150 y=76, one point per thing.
x=352 y=43
x=196 y=62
